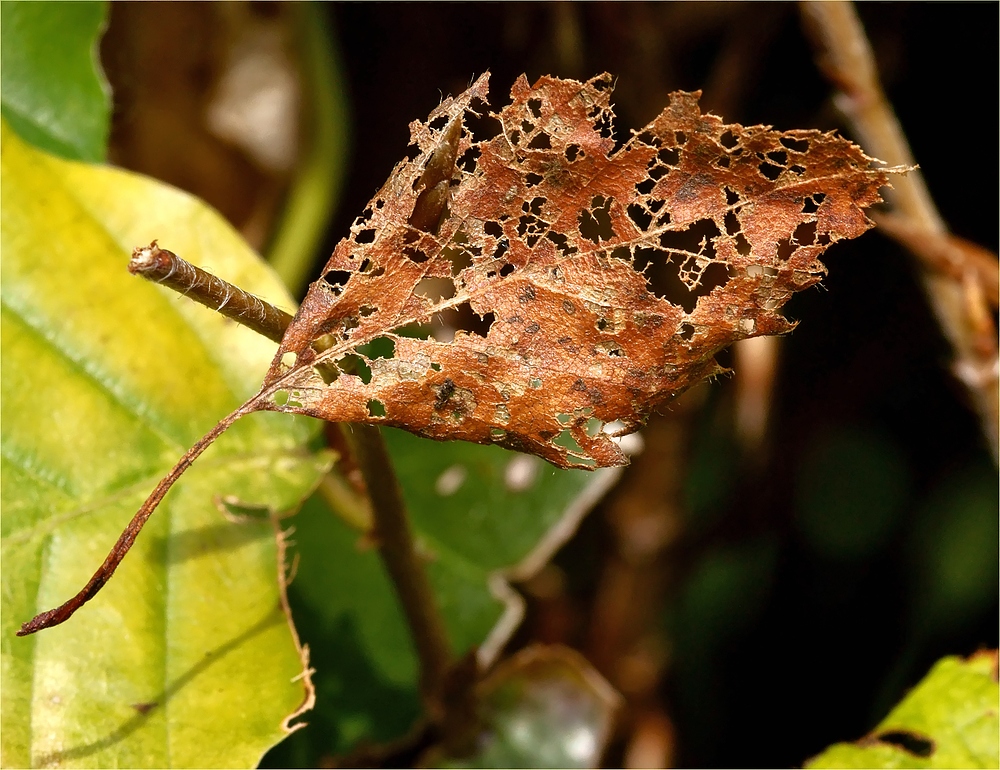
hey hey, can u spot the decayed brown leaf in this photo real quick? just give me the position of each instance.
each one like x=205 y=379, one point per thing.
x=608 y=278
x=561 y=243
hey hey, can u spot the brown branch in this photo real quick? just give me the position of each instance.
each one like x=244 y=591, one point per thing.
x=391 y=526
x=393 y=535
x=957 y=294
x=166 y=268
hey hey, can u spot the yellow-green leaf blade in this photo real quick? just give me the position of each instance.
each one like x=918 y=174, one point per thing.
x=186 y=658
x=948 y=720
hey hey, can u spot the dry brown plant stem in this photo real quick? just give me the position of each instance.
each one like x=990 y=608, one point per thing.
x=959 y=293
x=166 y=268
x=392 y=530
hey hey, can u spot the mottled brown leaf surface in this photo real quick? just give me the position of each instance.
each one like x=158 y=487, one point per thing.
x=608 y=278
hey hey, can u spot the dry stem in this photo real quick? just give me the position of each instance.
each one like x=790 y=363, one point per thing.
x=958 y=294
x=166 y=268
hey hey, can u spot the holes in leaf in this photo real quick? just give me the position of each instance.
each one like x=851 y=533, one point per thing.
x=515 y=137
x=685 y=269
x=501 y=248
x=742 y=244
x=535 y=107
x=732 y=223
x=380 y=347
x=723 y=161
x=527 y=126
x=648 y=139
x=811 y=204
x=785 y=249
x=289 y=358
x=540 y=142
x=602 y=324
x=805 y=233
x=365 y=264
x=669 y=156
x=496 y=434
x=506 y=270
x=658 y=172
x=681 y=137
x=795 y=145
x=573 y=152
x=686 y=332
x=468 y=160
x=645 y=187
x=728 y=140
x=642 y=218
x=769 y=171
x=562 y=242
x=355 y=365
x=365 y=236
x=533 y=179
x=337 y=279
x=534 y=206
x=435 y=366
x=414 y=255
x=460 y=259
x=435 y=289
x=534 y=383
x=595 y=225
x=375 y=408
x=604 y=126
x=732 y=197
x=778 y=157
x=908 y=741
x=566 y=441
x=367 y=310
x=797 y=169
x=481 y=325
x=438 y=123
x=622 y=252
x=493 y=228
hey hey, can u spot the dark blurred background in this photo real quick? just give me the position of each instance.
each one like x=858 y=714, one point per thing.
x=756 y=589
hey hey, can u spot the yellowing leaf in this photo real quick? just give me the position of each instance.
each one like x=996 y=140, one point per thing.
x=187 y=659
x=948 y=720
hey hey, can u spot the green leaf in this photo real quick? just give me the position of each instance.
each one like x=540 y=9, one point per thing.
x=53 y=92
x=482 y=515
x=948 y=720
x=186 y=658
